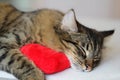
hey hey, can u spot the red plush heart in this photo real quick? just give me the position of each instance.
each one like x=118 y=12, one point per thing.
x=48 y=60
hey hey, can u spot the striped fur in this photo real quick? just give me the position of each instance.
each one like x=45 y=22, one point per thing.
x=81 y=44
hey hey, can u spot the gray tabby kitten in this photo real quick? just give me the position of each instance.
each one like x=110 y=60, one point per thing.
x=51 y=28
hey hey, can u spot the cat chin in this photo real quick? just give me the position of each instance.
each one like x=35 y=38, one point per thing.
x=75 y=66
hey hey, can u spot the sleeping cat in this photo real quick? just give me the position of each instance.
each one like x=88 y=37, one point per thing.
x=51 y=28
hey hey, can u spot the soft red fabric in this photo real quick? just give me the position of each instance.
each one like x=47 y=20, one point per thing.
x=48 y=60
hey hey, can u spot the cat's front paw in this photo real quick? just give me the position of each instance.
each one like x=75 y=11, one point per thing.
x=34 y=75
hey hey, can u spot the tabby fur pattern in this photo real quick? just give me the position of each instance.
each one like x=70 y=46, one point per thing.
x=51 y=28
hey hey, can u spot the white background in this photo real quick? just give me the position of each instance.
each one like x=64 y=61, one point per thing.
x=83 y=8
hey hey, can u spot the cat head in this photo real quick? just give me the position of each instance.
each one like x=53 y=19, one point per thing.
x=83 y=45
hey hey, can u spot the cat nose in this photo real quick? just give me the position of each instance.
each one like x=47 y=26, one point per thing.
x=88 y=68
x=88 y=65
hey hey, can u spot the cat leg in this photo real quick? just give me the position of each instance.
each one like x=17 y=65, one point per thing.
x=14 y=62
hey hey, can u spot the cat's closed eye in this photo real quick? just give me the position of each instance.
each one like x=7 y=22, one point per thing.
x=88 y=46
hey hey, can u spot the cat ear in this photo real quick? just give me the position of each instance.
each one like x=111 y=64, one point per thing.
x=69 y=22
x=107 y=33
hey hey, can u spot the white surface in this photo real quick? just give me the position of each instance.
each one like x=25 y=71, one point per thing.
x=109 y=68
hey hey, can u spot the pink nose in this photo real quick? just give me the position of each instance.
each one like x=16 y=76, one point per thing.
x=88 y=65
x=88 y=68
